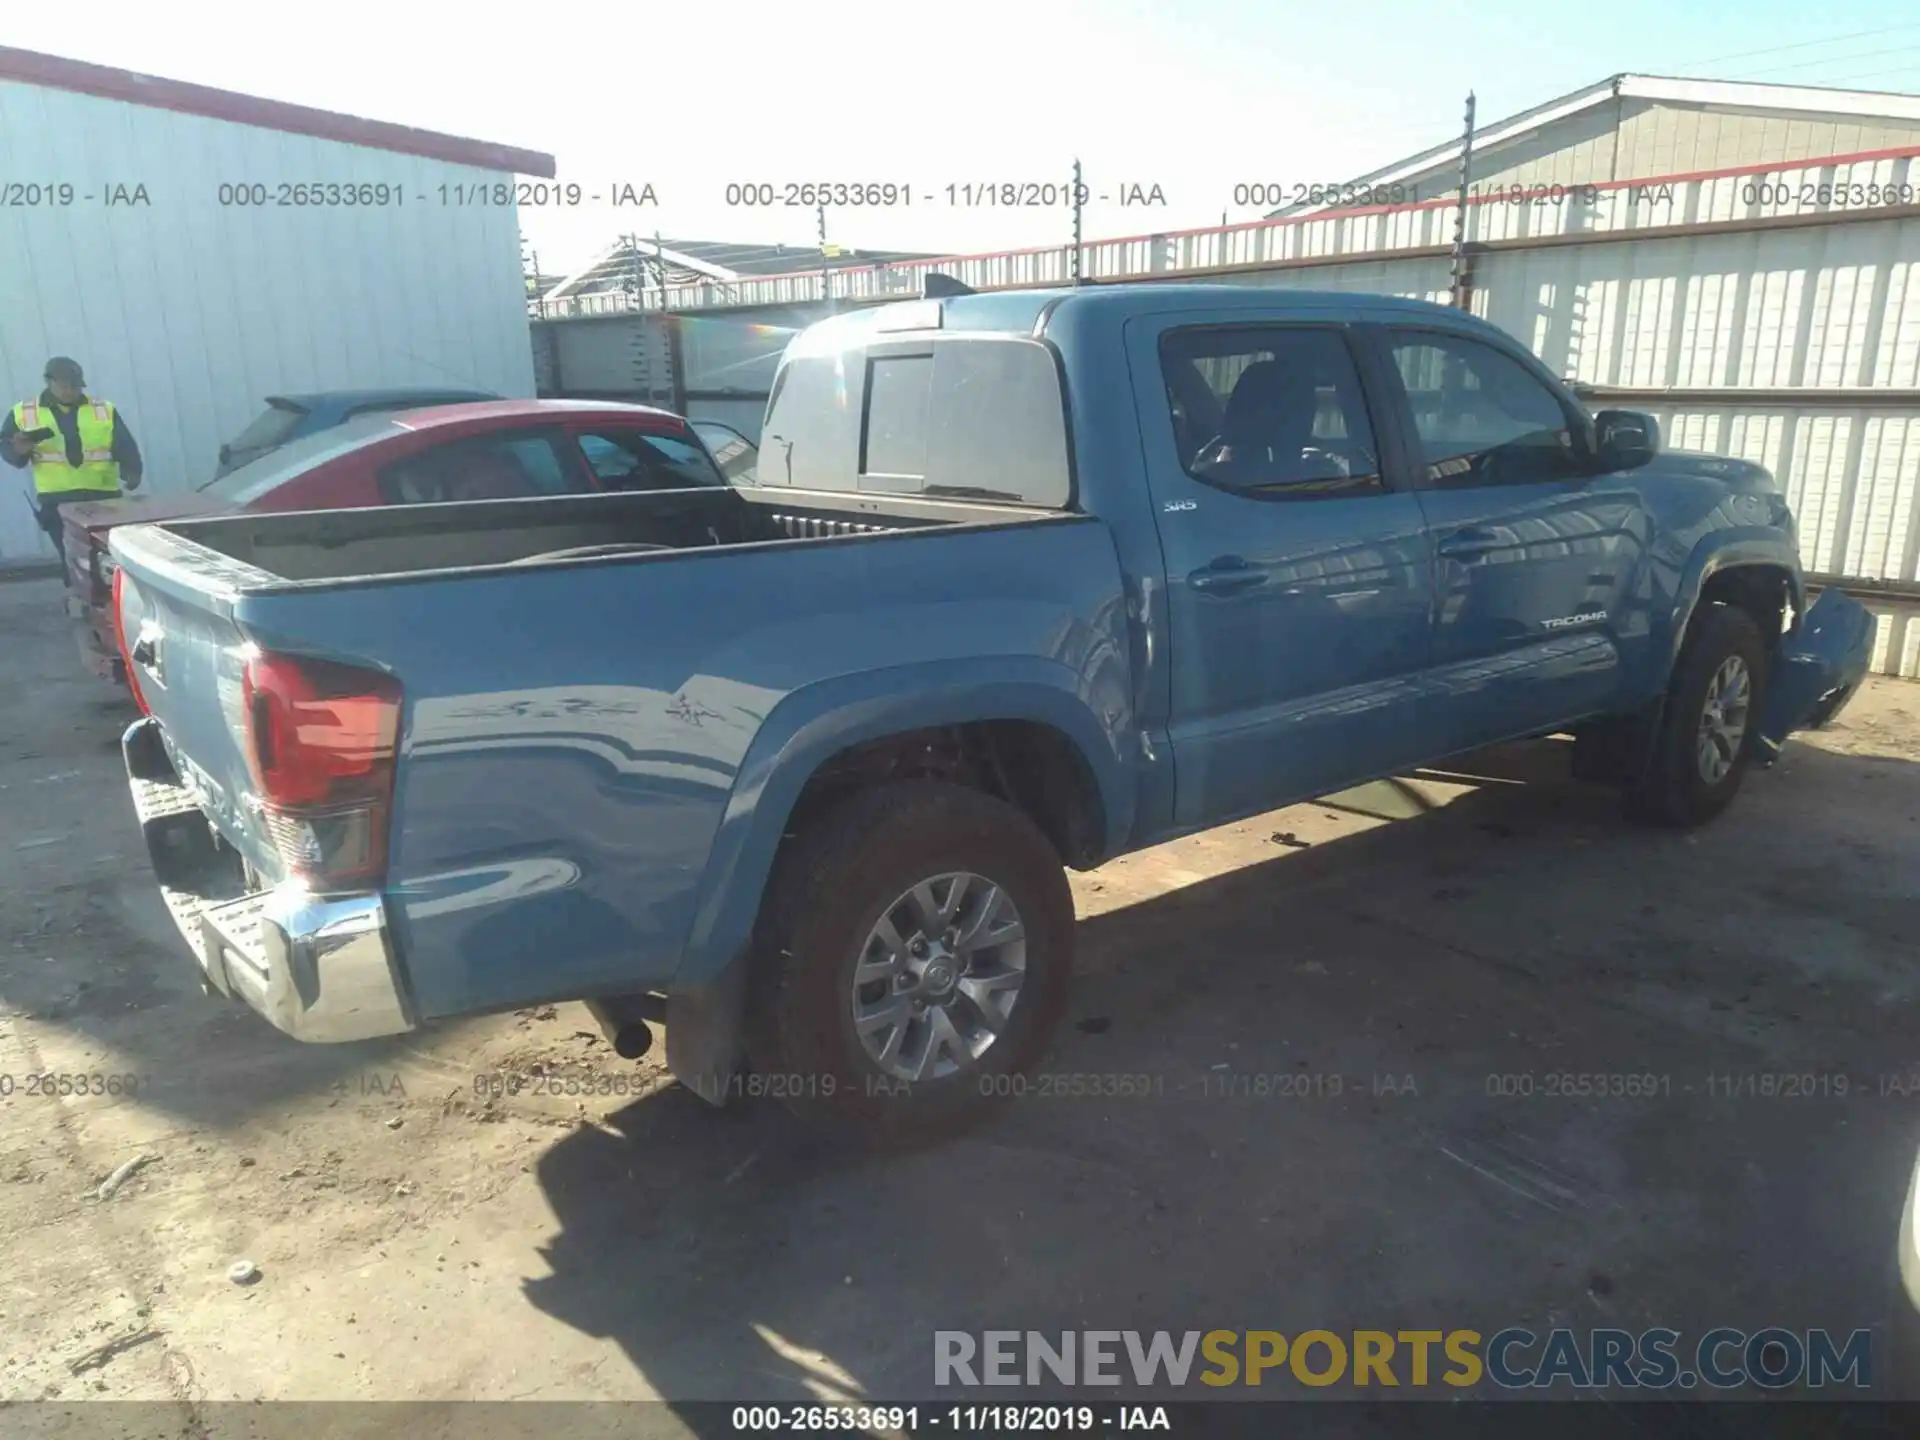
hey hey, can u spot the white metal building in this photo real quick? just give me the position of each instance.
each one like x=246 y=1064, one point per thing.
x=1642 y=127
x=197 y=250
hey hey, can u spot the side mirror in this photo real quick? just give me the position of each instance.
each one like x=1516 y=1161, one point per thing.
x=226 y=453
x=1625 y=439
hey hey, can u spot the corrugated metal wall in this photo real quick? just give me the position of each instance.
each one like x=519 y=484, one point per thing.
x=627 y=356
x=1896 y=649
x=722 y=355
x=187 y=312
x=724 y=366
x=743 y=415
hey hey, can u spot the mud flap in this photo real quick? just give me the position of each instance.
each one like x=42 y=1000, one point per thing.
x=703 y=1034
x=1819 y=667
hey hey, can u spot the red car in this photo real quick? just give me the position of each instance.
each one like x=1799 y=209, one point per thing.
x=494 y=450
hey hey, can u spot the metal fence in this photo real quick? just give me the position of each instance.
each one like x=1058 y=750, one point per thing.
x=1805 y=193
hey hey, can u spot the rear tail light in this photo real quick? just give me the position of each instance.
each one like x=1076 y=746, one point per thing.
x=321 y=740
x=120 y=638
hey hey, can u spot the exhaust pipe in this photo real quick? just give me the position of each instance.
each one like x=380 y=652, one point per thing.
x=623 y=1020
x=630 y=1042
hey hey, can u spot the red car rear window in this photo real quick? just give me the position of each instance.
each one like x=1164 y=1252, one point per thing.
x=274 y=469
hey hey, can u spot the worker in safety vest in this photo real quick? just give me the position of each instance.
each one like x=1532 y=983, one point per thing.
x=78 y=448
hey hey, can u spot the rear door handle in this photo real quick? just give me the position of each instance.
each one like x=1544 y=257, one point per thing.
x=1465 y=543
x=1227 y=576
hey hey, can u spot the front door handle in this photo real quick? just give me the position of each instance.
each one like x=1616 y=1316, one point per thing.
x=1467 y=543
x=1227 y=576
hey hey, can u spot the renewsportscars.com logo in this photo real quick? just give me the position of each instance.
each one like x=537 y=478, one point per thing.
x=1773 y=1358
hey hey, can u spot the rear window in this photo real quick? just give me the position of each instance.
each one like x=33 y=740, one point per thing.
x=973 y=417
x=270 y=427
x=249 y=482
x=899 y=408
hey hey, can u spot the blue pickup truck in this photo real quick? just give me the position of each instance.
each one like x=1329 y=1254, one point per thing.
x=1026 y=581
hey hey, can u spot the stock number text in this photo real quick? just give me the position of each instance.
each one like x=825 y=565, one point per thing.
x=810 y=194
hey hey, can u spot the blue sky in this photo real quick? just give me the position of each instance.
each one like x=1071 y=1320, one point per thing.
x=1192 y=95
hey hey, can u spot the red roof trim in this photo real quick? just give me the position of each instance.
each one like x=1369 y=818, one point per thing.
x=54 y=72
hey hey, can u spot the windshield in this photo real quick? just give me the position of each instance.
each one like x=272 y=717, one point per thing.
x=247 y=483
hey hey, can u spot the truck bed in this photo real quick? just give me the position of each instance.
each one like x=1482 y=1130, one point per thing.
x=579 y=736
x=347 y=546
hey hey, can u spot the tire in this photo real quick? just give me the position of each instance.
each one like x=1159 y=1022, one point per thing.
x=832 y=885
x=1674 y=791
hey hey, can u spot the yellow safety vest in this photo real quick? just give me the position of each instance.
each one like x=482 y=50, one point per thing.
x=52 y=474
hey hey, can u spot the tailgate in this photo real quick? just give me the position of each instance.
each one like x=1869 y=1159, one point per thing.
x=176 y=609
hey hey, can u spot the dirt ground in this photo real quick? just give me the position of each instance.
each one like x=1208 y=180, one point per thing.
x=420 y=1234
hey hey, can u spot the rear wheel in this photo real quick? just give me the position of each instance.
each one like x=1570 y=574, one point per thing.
x=1704 y=745
x=914 y=953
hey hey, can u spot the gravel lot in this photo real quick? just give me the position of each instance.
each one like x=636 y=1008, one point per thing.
x=419 y=1237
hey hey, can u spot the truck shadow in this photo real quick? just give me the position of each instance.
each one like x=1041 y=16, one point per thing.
x=109 y=970
x=1336 y=1112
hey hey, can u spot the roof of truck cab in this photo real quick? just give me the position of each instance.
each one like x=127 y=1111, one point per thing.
x=1153 y=297
x=1021 y=311
x=486 y=413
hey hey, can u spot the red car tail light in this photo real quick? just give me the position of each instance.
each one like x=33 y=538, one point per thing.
x=120 y=638
x=321 y=742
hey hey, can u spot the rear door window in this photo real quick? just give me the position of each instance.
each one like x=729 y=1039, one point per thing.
x=1270 y=411
x=647 y=460
x=509 y=465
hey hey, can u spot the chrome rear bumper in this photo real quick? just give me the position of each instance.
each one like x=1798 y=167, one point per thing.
x=320 y=967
